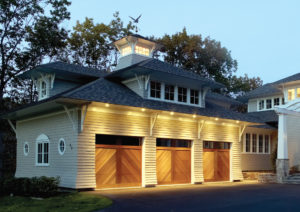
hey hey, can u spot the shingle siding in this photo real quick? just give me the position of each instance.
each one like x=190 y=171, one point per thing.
x=55 y=127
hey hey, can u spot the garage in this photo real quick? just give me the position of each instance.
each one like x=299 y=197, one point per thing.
x=216 y=161
x=118 y=161
x=173 y=161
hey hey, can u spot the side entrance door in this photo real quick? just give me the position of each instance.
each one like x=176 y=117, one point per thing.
x=173 y=161
x=216 y=161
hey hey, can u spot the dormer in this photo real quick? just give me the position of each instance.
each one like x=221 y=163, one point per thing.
x=134 y=49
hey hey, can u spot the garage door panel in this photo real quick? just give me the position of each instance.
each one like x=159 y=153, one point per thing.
x=130 y=167
x=182 y=170
x=163 y=166
x=106 y=163
x=223 y=166
x=209 y=165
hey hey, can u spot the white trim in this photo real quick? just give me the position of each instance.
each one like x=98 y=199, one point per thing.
x=70 y=117
x=42 y=139
x=265 y=102
x=175 y=101
x=26 y=153
x=12 y=126
x=257 y=143
x=59 y=150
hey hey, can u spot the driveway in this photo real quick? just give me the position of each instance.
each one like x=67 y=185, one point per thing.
x=224 y=197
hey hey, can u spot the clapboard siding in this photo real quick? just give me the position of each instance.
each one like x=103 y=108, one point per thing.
x=254 y=161
x=60 y=86
x=224 y=133
x=293 y=140
x=116 y=123
x=55 y=127
x=252 y=105
x=137 y=87
x=197 y=161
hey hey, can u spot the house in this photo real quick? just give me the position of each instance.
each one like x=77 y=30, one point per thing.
x=277 y=104
x=145 y=124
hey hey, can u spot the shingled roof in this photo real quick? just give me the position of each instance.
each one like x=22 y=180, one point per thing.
x=162 y=69
x=269 y=89
x=103 y=90
x=61 y=68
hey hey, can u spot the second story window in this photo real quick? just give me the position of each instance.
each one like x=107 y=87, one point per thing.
x=169 y=92
x=291 y=94
x=261 y=104
x=194 y=97
x=182 y=94
x=268 y=103
x=155 y=88
x=276 y=101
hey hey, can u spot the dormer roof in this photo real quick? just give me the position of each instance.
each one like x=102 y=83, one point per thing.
x=64 y=70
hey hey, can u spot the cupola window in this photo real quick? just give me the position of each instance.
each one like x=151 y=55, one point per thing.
x=126 y=50
x=142 y=50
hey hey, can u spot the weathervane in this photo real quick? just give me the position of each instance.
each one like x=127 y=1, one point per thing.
x=136 y=21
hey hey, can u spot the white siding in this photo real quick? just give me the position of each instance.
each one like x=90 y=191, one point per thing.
x=55 y=127
x=293 y=139
x=252 y=105
x=137 y=87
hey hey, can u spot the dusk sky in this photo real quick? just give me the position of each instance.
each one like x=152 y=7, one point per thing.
x=262 y=35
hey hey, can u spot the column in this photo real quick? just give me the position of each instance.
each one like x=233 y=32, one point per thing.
x=282 y=163
x=149 y=178
x=197 y=162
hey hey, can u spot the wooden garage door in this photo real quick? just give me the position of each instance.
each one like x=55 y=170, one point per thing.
x=216 y=162
x=173 y=165
x=118 y=165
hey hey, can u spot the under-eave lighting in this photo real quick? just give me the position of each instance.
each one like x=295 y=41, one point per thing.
x=106 y=105
x=172 y=113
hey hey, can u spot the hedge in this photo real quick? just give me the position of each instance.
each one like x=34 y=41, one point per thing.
x=35 y=187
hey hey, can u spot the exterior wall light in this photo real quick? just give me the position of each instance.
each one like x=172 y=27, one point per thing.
x=106 y=105
x=143 y=109
x=172 y=113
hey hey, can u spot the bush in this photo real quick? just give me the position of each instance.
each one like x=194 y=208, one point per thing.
x=36 y=186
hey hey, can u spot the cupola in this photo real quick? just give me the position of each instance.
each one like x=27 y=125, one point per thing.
x=133 y=49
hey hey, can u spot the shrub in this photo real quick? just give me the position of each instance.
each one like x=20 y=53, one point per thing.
x=36 y=186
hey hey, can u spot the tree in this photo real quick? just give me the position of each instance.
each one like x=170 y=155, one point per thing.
x=205 y=57
x=90 y=44
x=30 y=31
x=240 y=85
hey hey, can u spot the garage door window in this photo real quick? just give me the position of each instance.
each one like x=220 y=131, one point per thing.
x=216 y=145
x=118 y=140
x=173 y=142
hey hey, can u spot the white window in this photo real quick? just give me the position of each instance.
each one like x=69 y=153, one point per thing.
x=268 y=103
x=126 y=50
x=261 y=104
x=42 y=150
x=61 y=146
x=276 y=101
x=267 y=148
x=26 y=148
x=291 y=94
x=155 y=88
x=298 y=92
x=257 y=144
x=194 y=99
x=142 y=50
x=247 y=144
x=169 y=92
x=182 y=94
x=254 y=143
x=260 y=143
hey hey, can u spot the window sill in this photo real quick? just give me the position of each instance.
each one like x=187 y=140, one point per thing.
x=255 y=153
x=42 y=164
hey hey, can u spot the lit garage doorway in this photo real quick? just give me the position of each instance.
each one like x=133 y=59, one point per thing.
x=118 y=161
x=173 y=161
x=216 y=161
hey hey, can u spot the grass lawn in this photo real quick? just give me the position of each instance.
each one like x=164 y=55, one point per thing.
x=65 y=202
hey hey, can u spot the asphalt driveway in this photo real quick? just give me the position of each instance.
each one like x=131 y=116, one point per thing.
x=210 y=197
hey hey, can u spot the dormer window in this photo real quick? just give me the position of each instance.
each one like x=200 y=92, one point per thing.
x=126 y=50
x=182 y=94
x=142 y=50
x=261 y=104
x=169 y=92
x=43 y=90
x=194 y=97
x=155 y=88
